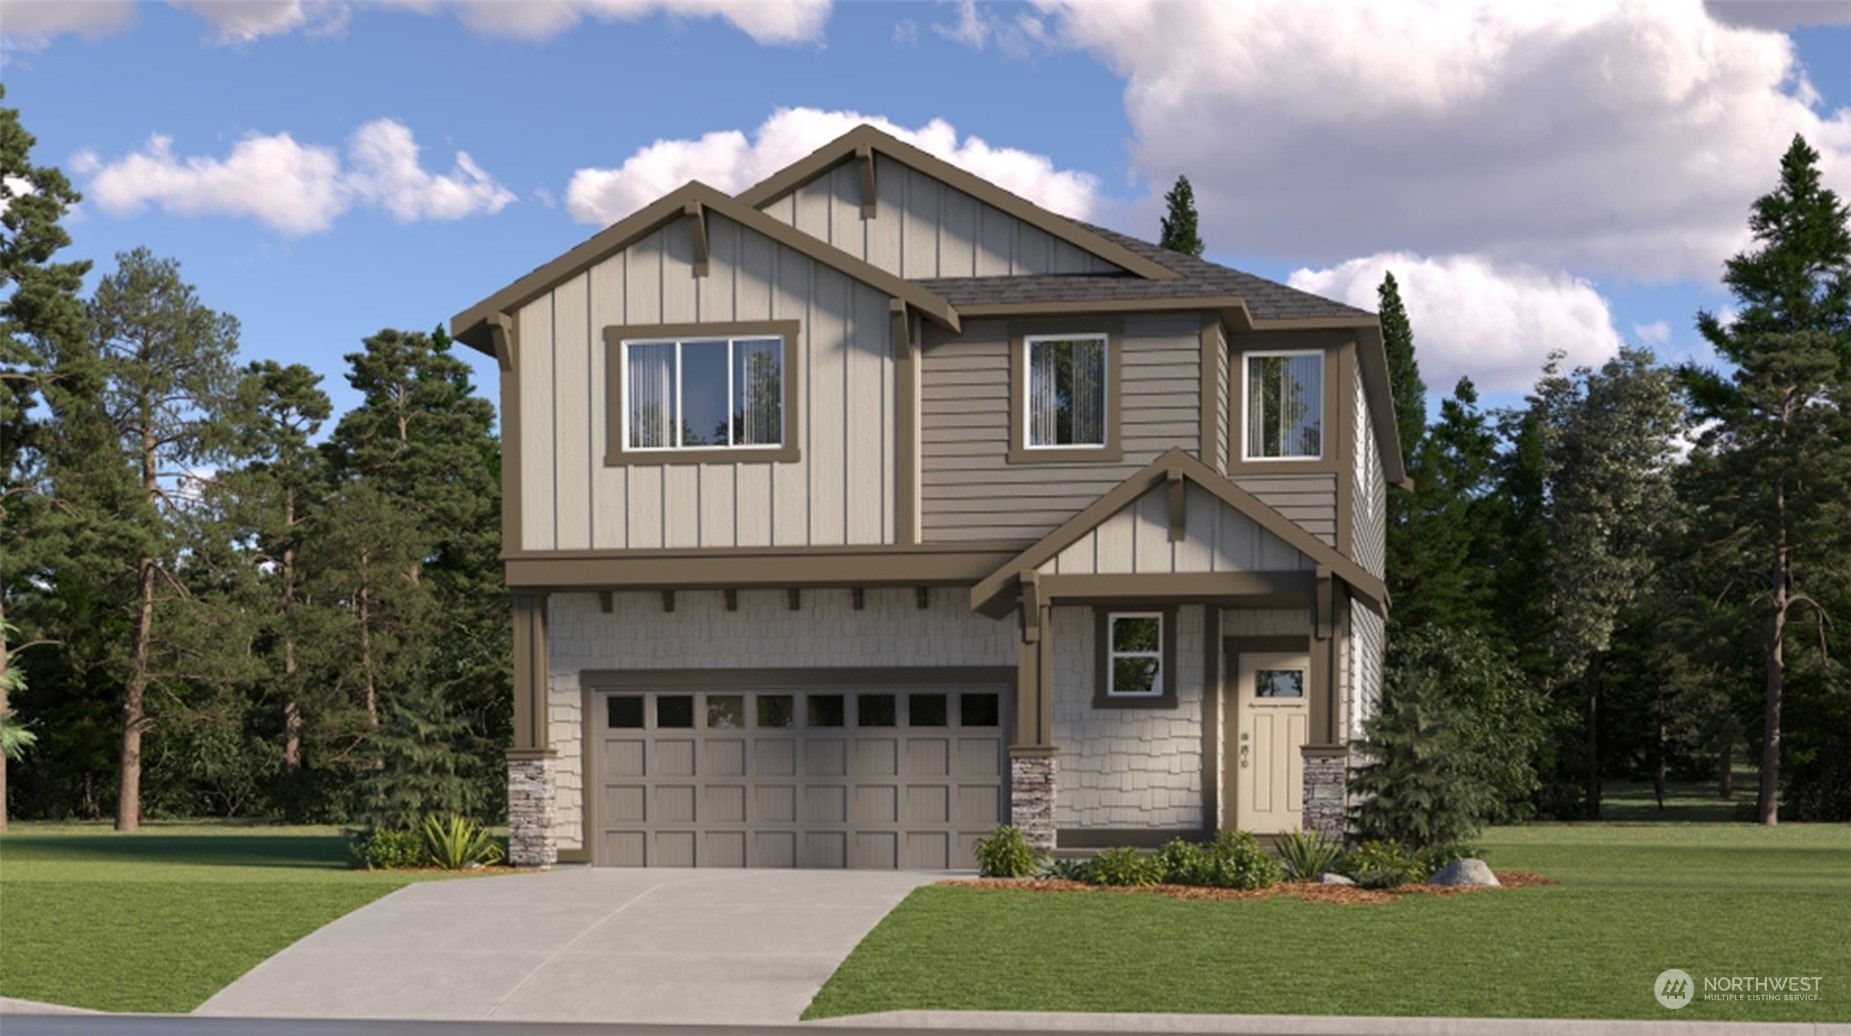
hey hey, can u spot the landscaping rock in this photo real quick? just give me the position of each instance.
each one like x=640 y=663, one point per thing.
x=1464 y=872
x=1334 y=879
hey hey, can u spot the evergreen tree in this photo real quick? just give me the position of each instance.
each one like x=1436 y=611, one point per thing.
x=1179 y=221
x=40 y=308
x=1782 y=442
x=1444 y=575
x=1410 y=395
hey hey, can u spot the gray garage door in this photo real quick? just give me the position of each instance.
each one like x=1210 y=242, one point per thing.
x=827 y=776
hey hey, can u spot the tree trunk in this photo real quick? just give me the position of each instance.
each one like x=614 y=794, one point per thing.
x=1767 y=802
x=366 y=655
x=1725 y=778
x=292 y=712
x=134 y=718
x=1658 y=772
x=4 y=660
x=1592 y=790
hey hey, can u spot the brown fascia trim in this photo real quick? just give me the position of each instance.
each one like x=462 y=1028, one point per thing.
x=1217 y=587
x=1102 y=659
x=732 y=568
x=471 y=325
x=506 y=335
x=990 y=596
x=1225 y=305
x=848 y=145
x=1019 y=331
x=618 y=455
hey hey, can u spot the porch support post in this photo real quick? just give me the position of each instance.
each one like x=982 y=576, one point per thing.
x=1032 y=754
x=1326 y=758
x=531 y=783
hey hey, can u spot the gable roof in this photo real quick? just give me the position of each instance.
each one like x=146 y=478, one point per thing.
x=866 y=137
x=987 y=595
x=472 y=326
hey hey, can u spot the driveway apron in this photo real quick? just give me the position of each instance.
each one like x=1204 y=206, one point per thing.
x=658 y=945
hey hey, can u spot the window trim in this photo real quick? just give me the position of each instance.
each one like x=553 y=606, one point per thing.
x=1020 y=335
x=1246 y=423
x=1103 y=695
x=616 y=409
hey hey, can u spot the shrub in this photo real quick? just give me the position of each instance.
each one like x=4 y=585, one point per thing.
x=1183 y=863
x=1068 y=870
x=1307 y=855
x=459 y=843
x=1005 y=853
x=1124 y=866
x=1237 y=860
x=386 y=849
x=1382 y=864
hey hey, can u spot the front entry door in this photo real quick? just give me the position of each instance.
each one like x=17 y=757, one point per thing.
x=1274 y=714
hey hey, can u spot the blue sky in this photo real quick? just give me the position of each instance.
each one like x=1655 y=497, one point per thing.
x=1575 y=188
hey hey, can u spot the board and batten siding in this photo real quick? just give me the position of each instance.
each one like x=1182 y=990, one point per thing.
x=1370 y=500
x=923 y=228
x=969 y=491
x=1309 y=500
x=1216 y=538
x=841 y=490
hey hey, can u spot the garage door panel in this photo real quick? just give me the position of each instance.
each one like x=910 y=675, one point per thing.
x=726 y=758
x=907 y=776
x=777 y=803
x=876 y=804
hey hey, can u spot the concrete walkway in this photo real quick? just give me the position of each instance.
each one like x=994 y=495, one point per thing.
x=652 y=946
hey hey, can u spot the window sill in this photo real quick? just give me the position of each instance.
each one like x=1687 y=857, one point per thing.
x=711 y=455
x=1285 y=466
x=1066 y=455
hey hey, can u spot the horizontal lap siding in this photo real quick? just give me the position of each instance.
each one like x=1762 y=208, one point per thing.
x=1309 y=500
x=968 y=489
x=839 y=493
x=923 y=228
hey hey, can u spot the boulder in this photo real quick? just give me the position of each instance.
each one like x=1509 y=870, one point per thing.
x=1334 y=879
x=1464 y=872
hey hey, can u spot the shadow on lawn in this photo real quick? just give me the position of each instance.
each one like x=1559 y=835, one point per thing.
x=283 y=851
x=1686 y=802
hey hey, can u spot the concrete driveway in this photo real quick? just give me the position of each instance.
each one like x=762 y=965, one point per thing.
x=677 y=946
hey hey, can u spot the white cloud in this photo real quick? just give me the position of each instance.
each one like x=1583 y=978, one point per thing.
x=242 y=21
x=1625 y=138
x=972 y=28
x=291 y=187
x=1779 y=15
x=766 y=21
x=32 y=23
x=1655 y=333
x=1472 y=317
x=906 y=31
x=729 y=161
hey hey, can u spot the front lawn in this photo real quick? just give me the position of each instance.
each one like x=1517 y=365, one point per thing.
x=1634 y=900
x=162 y=919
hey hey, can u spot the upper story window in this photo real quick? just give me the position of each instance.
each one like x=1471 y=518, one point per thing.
x=1285 y=406
x=1066 y=391
x=718 y=393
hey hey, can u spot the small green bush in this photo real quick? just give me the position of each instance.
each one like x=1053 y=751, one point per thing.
x=459 y=843
x=1433 y=857
x=1183 y=863
x=386 y=849
x=1382 y=864
x=1005 y=853
x=1124 y=867
x=1308 y=855
x=1237 y=860
x=1068 y=870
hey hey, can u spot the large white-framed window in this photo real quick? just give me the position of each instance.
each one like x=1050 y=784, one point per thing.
x=703 y=393
x=1134 y=655
x=1066 y=391
x=1284 y=396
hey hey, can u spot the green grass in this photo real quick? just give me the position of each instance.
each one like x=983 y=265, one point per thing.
x=1634 y=900
x=160 y=920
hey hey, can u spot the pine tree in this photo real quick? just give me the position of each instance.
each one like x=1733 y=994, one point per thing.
x=1443 y=574
x=1410 y=395
x=1782 y=441
x=1179 y=222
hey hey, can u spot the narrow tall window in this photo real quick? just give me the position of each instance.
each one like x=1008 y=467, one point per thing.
x=717 y=392
x=1135 y=655
x=1066 y=390
x=1285 y=406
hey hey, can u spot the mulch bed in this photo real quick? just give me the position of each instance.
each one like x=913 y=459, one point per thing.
x=1306 y=891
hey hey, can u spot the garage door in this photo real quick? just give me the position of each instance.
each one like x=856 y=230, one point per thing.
x=825 y=776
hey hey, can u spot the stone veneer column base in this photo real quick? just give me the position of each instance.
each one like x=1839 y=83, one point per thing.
x=1031 y=797
x=1326 y=776
x=530 y=811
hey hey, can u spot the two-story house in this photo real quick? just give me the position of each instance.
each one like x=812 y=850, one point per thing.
x=853 y=515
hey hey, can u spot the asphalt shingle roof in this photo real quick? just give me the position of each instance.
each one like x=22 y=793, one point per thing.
x=1266 y=300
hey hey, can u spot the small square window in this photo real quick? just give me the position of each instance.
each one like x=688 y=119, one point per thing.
x=1136 y=655
x=825 y=710
x=726 y=711
x=675 y=712
x=776 y=710
x=979 y=710
x=624 y=712
x=925 y=710
x=876 y=710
